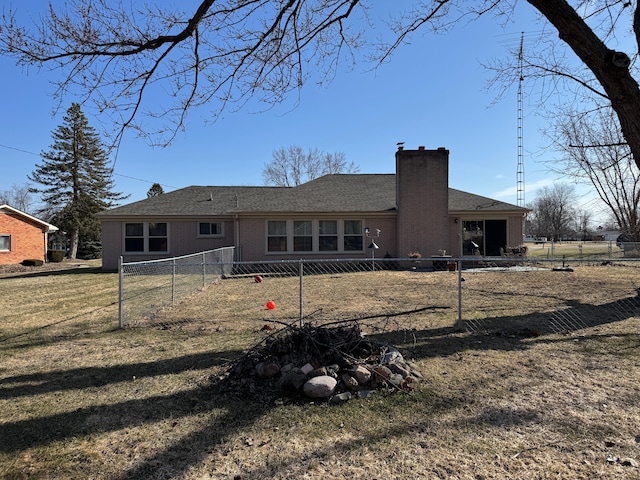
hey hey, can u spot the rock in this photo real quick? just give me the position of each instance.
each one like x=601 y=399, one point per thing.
x=396 y=380
x=412 y=366
x=361 y=374
x=366 y=393
x=267 y=369
x=293 y=381
x=382 y=371
x=287 y=368
x=397 y=368
x=307 y=368
x=332 y=370
x=320 y=387
x=341 y=398
x=317 y=372
x=350 y=382
x=391 y=356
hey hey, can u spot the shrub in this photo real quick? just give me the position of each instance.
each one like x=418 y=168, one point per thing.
x=32 y=262
x=56 y=255
x=89 y=250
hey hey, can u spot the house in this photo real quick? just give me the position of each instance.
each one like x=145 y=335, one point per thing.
x=334 y=216
x=22 y=237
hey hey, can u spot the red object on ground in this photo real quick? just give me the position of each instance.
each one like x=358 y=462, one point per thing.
x=270 y=305
x=258 y=278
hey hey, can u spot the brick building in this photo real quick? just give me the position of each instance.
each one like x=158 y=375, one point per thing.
x=22 y=237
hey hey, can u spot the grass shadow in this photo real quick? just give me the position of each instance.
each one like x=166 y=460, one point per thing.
x=26 y=434
x=71 y=270
x=80 y=378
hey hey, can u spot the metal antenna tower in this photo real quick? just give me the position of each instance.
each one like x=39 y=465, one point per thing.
x=520 y=170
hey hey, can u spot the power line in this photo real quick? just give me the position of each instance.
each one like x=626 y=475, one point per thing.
x=114 y=174
x=19 y=150
x=142 y=180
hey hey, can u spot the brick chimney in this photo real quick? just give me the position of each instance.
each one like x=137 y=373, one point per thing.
x=422 y=200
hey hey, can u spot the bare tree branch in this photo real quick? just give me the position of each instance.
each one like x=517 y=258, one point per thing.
x=226 y=53
x=594 y=153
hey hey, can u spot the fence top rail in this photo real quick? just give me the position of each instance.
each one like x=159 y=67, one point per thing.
x=497 y=259
x=160 y=260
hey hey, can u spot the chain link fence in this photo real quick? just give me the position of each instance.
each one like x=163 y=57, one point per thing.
x=145 y=288
x=511 y=294
x=604 y=250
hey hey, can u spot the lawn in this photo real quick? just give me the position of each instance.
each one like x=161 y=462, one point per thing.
x=80 y=398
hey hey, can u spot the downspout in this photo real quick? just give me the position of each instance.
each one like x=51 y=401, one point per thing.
x=236 y=235
x=46 y=245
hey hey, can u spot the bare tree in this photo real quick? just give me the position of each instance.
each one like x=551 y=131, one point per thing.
x=292 y=166
x=594 y=152
x=552 y=212
x=583 y=224
x=19 y=196
x=224 y=52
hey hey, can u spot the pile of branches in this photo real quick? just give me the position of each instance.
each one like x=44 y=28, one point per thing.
x=281 y=364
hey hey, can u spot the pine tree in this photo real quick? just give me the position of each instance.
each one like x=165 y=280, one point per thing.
x=155 y=190
x=77 y=181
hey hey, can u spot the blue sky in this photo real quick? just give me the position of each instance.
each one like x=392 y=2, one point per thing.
x=431 y=93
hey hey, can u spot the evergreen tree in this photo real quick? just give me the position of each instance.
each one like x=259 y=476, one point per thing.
x=155 y=190
x=76 y=180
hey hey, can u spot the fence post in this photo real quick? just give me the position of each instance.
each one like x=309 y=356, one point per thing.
x=120 y=294
x=460 y=323
x=173 y=282
x=301 y=275
x=204 y=266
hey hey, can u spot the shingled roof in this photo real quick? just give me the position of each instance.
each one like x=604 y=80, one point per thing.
x=460 y=201
x=330 y=193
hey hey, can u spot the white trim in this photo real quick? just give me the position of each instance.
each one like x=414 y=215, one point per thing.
x=50 y=228
x=6 y=235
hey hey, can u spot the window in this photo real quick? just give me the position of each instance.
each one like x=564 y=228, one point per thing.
x=210 y=229
x=5 y=243
x=277 y=236
x=134 y=237
x=327 y=235
x=315 y=236
x=302 y=236
x=158 y=237
x=353 y=235
x=146 y=237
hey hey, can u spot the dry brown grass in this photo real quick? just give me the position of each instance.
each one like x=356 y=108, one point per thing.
x=81 y=399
